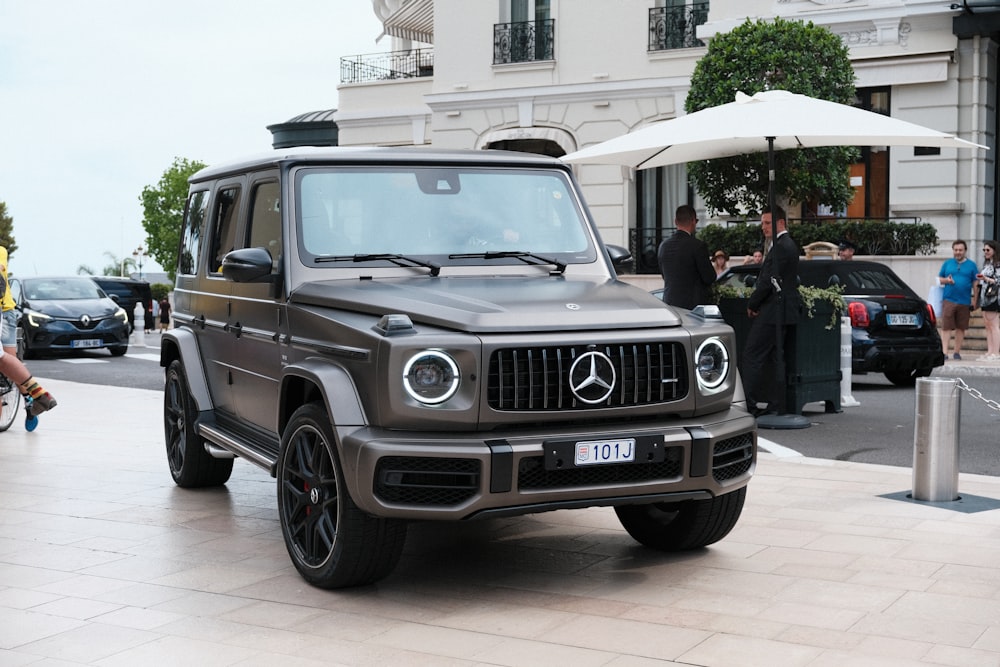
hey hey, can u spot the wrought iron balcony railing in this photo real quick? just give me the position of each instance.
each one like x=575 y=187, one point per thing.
x=674 y=27
x=382 y=66
x=524 y=42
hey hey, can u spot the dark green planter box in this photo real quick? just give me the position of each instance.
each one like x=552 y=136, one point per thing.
x=812 y=361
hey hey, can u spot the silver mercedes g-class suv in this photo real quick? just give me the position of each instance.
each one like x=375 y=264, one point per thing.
x=400 y=334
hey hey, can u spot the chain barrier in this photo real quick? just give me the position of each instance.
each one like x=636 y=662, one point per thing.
x=978 y=395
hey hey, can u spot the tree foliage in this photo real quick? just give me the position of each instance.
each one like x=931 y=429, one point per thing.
x=774 y=55
x=163 y=212
x=7 y=230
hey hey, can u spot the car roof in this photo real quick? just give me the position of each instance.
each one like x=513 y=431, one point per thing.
x=818 y=272
x=369 y=154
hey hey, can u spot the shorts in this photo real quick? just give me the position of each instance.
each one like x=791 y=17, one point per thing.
x=8 y=330
x=954 y=316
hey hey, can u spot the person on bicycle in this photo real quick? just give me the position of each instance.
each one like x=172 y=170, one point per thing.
x=37 y=400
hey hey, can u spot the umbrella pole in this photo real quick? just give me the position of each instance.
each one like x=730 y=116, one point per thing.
x=770 y=186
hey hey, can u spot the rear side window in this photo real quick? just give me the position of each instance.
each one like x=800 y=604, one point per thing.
x=193 y=231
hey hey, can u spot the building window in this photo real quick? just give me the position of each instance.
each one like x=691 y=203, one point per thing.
x=526 y=33
x=870 y=174
x=658 y=193
x=672 y=24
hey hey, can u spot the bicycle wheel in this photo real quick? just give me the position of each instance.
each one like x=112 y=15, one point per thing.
x=10 y=401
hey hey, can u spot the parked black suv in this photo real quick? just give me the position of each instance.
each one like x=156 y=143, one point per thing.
x=127 y=292
x=411 y=334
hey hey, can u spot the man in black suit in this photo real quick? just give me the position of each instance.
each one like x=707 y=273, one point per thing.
x=684 y=264
x=774 y=309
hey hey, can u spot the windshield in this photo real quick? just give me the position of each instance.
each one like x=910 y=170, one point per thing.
x=447 y=215
x=41 y=289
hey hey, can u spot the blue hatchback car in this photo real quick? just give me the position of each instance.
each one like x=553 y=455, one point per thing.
x=69 y=314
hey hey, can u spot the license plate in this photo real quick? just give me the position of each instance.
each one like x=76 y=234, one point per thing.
x=902 y=319
x=605 y=451
x=87 y=342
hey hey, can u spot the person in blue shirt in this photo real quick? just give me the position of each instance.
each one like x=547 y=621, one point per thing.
x=958 y=276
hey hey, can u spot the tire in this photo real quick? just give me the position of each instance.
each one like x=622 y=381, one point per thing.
x=685 y=525
x=331 y=542
x=10 y=401
x=118 y=351
x=190 y=465
x=907 y=378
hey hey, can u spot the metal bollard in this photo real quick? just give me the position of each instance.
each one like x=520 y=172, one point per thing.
x=138 y=337
x=935 y=440
x=847 y=400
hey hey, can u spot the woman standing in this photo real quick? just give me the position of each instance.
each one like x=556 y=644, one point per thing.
x=720 y=262
x=988 y=301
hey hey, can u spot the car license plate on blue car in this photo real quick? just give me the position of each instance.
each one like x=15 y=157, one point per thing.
x=901 y=319
x=87 y=342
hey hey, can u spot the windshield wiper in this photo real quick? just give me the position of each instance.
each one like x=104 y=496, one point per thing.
x=524 y=256
x=398 y=260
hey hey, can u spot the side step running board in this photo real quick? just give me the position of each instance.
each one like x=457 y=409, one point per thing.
x=223 y=445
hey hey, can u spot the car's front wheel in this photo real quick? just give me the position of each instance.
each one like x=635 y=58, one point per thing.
x=332 y=543
x=190 y=465
x=680 y=526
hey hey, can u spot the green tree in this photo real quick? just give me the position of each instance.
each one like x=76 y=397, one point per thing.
x=7 y=230
x=163 y=212
x=774 y=55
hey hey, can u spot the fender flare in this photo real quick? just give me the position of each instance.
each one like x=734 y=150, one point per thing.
x=183 y=345
x=335 y=385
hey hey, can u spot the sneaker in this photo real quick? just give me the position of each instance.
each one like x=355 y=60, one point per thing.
x=956 y=356
x=30 y=420
x=41 y=404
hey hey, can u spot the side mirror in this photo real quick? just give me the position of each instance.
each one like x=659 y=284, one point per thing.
x=247 y=265
x=621 y=258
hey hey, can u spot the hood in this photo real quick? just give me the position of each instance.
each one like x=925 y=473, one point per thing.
x=72 y=309
x=491 y=304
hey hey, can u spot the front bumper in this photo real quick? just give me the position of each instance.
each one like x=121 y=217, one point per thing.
x=461 y=476
x=60 y=335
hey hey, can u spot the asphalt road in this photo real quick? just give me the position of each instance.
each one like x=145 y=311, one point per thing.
x=879 y=430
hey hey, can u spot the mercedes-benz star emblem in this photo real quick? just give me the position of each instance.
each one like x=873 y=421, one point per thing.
x=592 y=377
x=314 y=496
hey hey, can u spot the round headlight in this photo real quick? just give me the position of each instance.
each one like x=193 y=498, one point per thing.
x=431 y=377
x=712 y=361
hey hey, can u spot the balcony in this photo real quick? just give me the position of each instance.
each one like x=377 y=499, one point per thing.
x=524 y=42
x=674 y=27
x=385 y=66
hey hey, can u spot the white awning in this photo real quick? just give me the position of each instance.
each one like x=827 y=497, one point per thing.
x=413 y=21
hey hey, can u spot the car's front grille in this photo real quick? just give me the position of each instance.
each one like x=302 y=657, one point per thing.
x=423 y=480
x=87 y=324
x=532 y=474
x=732 y=457
x=538 y=378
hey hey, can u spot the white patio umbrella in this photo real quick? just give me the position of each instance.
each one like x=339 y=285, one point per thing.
x=745 y=125
x=770 y=121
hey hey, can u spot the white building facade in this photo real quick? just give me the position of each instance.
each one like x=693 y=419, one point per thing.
x=552 y=76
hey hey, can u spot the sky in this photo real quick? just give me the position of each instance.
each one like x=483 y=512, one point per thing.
x=98 y=97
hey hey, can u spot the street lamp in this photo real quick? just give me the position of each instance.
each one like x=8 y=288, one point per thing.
x=139 y=253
